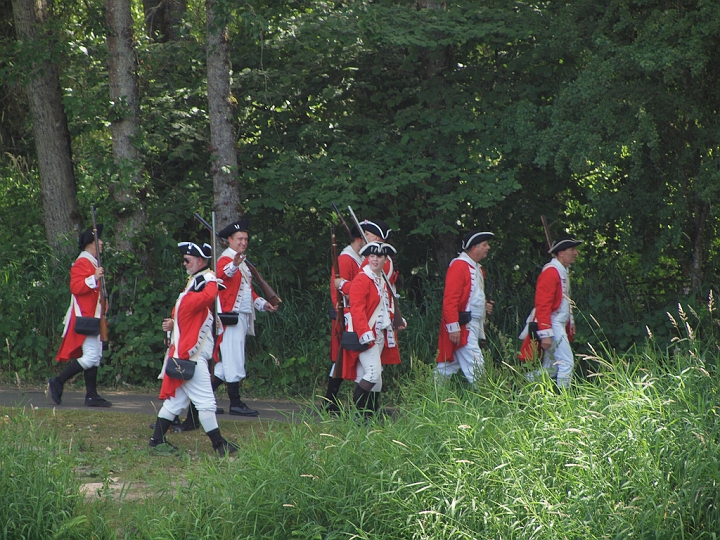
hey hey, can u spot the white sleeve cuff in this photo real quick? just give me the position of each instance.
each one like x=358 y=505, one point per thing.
x=367 y=337
x=542 y=334
x=91 y=282
x=259 y=304
x=452 y=327
x=230 y=269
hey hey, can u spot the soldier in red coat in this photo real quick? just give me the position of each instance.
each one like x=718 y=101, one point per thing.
x=371 y=320
x=192 y=339
x=82 y=352
x=349 y=265
x=238 y=298
x=553 y=316
x=464 y=310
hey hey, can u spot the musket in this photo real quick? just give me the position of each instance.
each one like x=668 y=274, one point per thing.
x=268 y=292
x=548 y=238
x=339 y=215
x=397 y=316
x=103 y=288
x=338 y=324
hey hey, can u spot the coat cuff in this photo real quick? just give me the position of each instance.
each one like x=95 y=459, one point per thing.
x=91 y=282
x=542 y=334
x=367 y=337
x=259 y=303
x=452 y=327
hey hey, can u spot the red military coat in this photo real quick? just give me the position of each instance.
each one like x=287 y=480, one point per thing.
x=348 y=266
x=548 y=297
x=85 y=291
x=232 y=284
x=458 y=282
x=364 y=298
x=193 y=320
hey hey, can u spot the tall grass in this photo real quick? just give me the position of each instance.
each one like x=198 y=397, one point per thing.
x=634 y=455
x=39 y=495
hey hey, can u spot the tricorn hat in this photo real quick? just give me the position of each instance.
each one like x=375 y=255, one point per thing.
x=377 y=227
x=239 y=225
x=87 y=237
x=473 y=238
x=563 y=243
x=377 y=248
x=191 y=248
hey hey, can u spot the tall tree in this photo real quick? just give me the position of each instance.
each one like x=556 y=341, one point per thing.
x=222 y=133
x=50 y=126
x=127 y=190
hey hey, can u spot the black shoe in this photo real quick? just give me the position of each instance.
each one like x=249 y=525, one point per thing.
x=219 y=410
x=331 y=408
x=225 y=448
x=55 y=390
x=97 y=401
x=240 y=409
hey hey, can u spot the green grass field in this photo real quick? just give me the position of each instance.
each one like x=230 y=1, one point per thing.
x=628 y=453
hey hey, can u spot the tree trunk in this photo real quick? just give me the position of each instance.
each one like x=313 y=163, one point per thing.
x=702 y=211
x=125 y=124
x=162 y=18
x=222 y=134
x=50 y=130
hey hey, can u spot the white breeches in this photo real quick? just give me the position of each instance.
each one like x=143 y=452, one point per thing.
x=468 y=358
x=91 y=352
x=557 y=361
x=198 y=390
x=231 y=368
x=369 y=366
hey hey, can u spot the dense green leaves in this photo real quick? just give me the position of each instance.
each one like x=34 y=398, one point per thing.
x=600 y=115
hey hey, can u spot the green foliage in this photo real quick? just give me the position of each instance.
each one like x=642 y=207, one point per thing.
x=39 y=493
x=627 y=455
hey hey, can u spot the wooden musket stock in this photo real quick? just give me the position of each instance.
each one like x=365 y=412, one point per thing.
x=104 y=304
x=339 y=323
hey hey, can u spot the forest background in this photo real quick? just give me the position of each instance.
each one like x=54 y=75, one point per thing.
x=438 y=117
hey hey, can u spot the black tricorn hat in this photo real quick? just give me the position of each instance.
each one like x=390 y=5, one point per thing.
x=239 y=225
x=191 y=248
x=377 y=227
x=563 y=243
x=377 y=248
x=87 y=237
x=473 y=238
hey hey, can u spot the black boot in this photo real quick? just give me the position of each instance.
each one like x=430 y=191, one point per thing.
x=56 y=384
x=191 y=422
x=217 y=383
x=92 y=399
x=332 y=405
x=361 y=398
x=158 y=438
x=222 y=446
x=374 y=402
x=237 y=407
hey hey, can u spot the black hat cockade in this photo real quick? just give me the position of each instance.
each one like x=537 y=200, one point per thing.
x=191 y=248
x=377 y=248
x=474 y=238
x=563 y=243
x=240 y=225
x=87 y=237
x=377 y=227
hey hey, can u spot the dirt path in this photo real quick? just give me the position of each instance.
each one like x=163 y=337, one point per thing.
x=145 y=403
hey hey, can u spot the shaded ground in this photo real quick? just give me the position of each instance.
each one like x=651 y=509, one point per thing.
x=143 y=403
